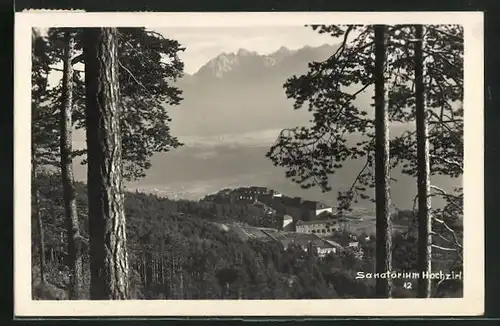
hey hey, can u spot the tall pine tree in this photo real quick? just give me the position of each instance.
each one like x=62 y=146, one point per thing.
x=108 y=251
x=423 y=174
x=68 y=182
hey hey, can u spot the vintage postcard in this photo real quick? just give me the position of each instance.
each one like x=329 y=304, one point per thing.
x=249 y=164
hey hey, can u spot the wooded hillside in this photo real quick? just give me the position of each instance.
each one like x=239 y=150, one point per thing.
x=177 y=251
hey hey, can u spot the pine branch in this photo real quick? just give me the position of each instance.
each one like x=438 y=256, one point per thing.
x=133 y=77
x=455 y=237
x=79 y=58
x=444 y=279
x=455 y=37
x=446 y=239
x=59 y=69
x=448 y=196
x=443 y=248
x=341 y=50
x=353 y=185
x=449 y=161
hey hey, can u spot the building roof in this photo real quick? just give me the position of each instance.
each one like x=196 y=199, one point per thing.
x=304 y=240
x=310 y=204
x=246 y=232
x=260 y=189
x=313 y=222
x=333 y=243
x=255 y=233
x=314 y=204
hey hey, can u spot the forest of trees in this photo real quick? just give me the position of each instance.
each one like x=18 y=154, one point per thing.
x=99 y=242
x=177 y=252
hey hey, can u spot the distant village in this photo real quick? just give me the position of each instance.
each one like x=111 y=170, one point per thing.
x=309 y=224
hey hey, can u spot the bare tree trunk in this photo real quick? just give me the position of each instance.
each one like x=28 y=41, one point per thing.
x=34 y=187
x=175 y=276
x=39 y=222
x=155 y=260
x=162 y=267
x=383 y=287
x=108 y=250
x=144 y=268
x=68 y=182
x=182 y=284
x=149 y=268
x=424 y=199
x=162 y=270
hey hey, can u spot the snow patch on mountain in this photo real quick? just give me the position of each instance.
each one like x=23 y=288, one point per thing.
x=226 y=62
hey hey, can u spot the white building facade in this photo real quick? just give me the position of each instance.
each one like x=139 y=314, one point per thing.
x=319 y=227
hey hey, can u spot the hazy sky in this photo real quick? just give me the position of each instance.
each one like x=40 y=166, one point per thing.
x=203 y=44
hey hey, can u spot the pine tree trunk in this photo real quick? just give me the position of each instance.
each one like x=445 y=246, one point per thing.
x=68 y=183
x=39 y=223
x=383 y=286
x=108 y=251
x=424 y=199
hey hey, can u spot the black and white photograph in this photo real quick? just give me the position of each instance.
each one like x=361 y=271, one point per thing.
x=249 y=164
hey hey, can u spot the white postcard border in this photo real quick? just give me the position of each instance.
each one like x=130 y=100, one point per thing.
x=471 y=304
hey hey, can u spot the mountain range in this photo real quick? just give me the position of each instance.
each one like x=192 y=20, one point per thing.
x=242 y=63
x=243 y=92
x=233 y=110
